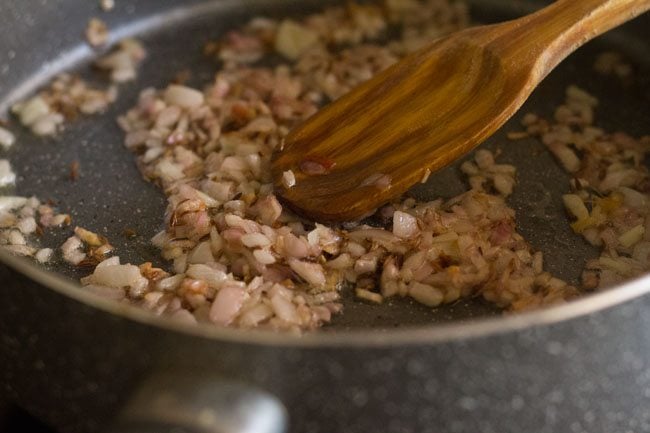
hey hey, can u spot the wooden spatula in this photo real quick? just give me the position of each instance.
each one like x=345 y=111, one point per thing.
x=432 y=107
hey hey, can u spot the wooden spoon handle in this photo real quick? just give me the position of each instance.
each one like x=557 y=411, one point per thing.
x=551 y=34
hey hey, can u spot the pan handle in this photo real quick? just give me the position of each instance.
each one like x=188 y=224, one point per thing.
x=194 y=404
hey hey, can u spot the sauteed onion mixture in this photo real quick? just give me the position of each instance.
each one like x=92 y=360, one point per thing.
x=237 y=258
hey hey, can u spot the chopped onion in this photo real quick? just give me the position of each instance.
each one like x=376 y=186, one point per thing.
x=183 y=96
x=312 y=273
x=265 y=257
x=284 y=309
x=202 y=253
x=118 y=276
x=9 y=202
x=632 y=236
x=253 y=240
x=7 y=176
x=226 y=305
x=369 y=296
x=44 y=255
x=404 y=225
x=32 y=110
x=576 y=206
x=292 y=39
x=288 y=179
x=213 y=277
x=426 y=294
x=7 y=139
x=72 y=252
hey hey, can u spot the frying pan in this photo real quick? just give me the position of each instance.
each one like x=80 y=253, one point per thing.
x=84 y=364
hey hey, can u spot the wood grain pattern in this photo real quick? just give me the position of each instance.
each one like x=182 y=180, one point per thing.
x=432 y=107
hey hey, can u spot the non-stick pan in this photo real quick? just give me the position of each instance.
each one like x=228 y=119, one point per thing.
x=84 y=364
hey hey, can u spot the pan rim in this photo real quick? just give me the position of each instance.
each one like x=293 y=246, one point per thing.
x=360 y=338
